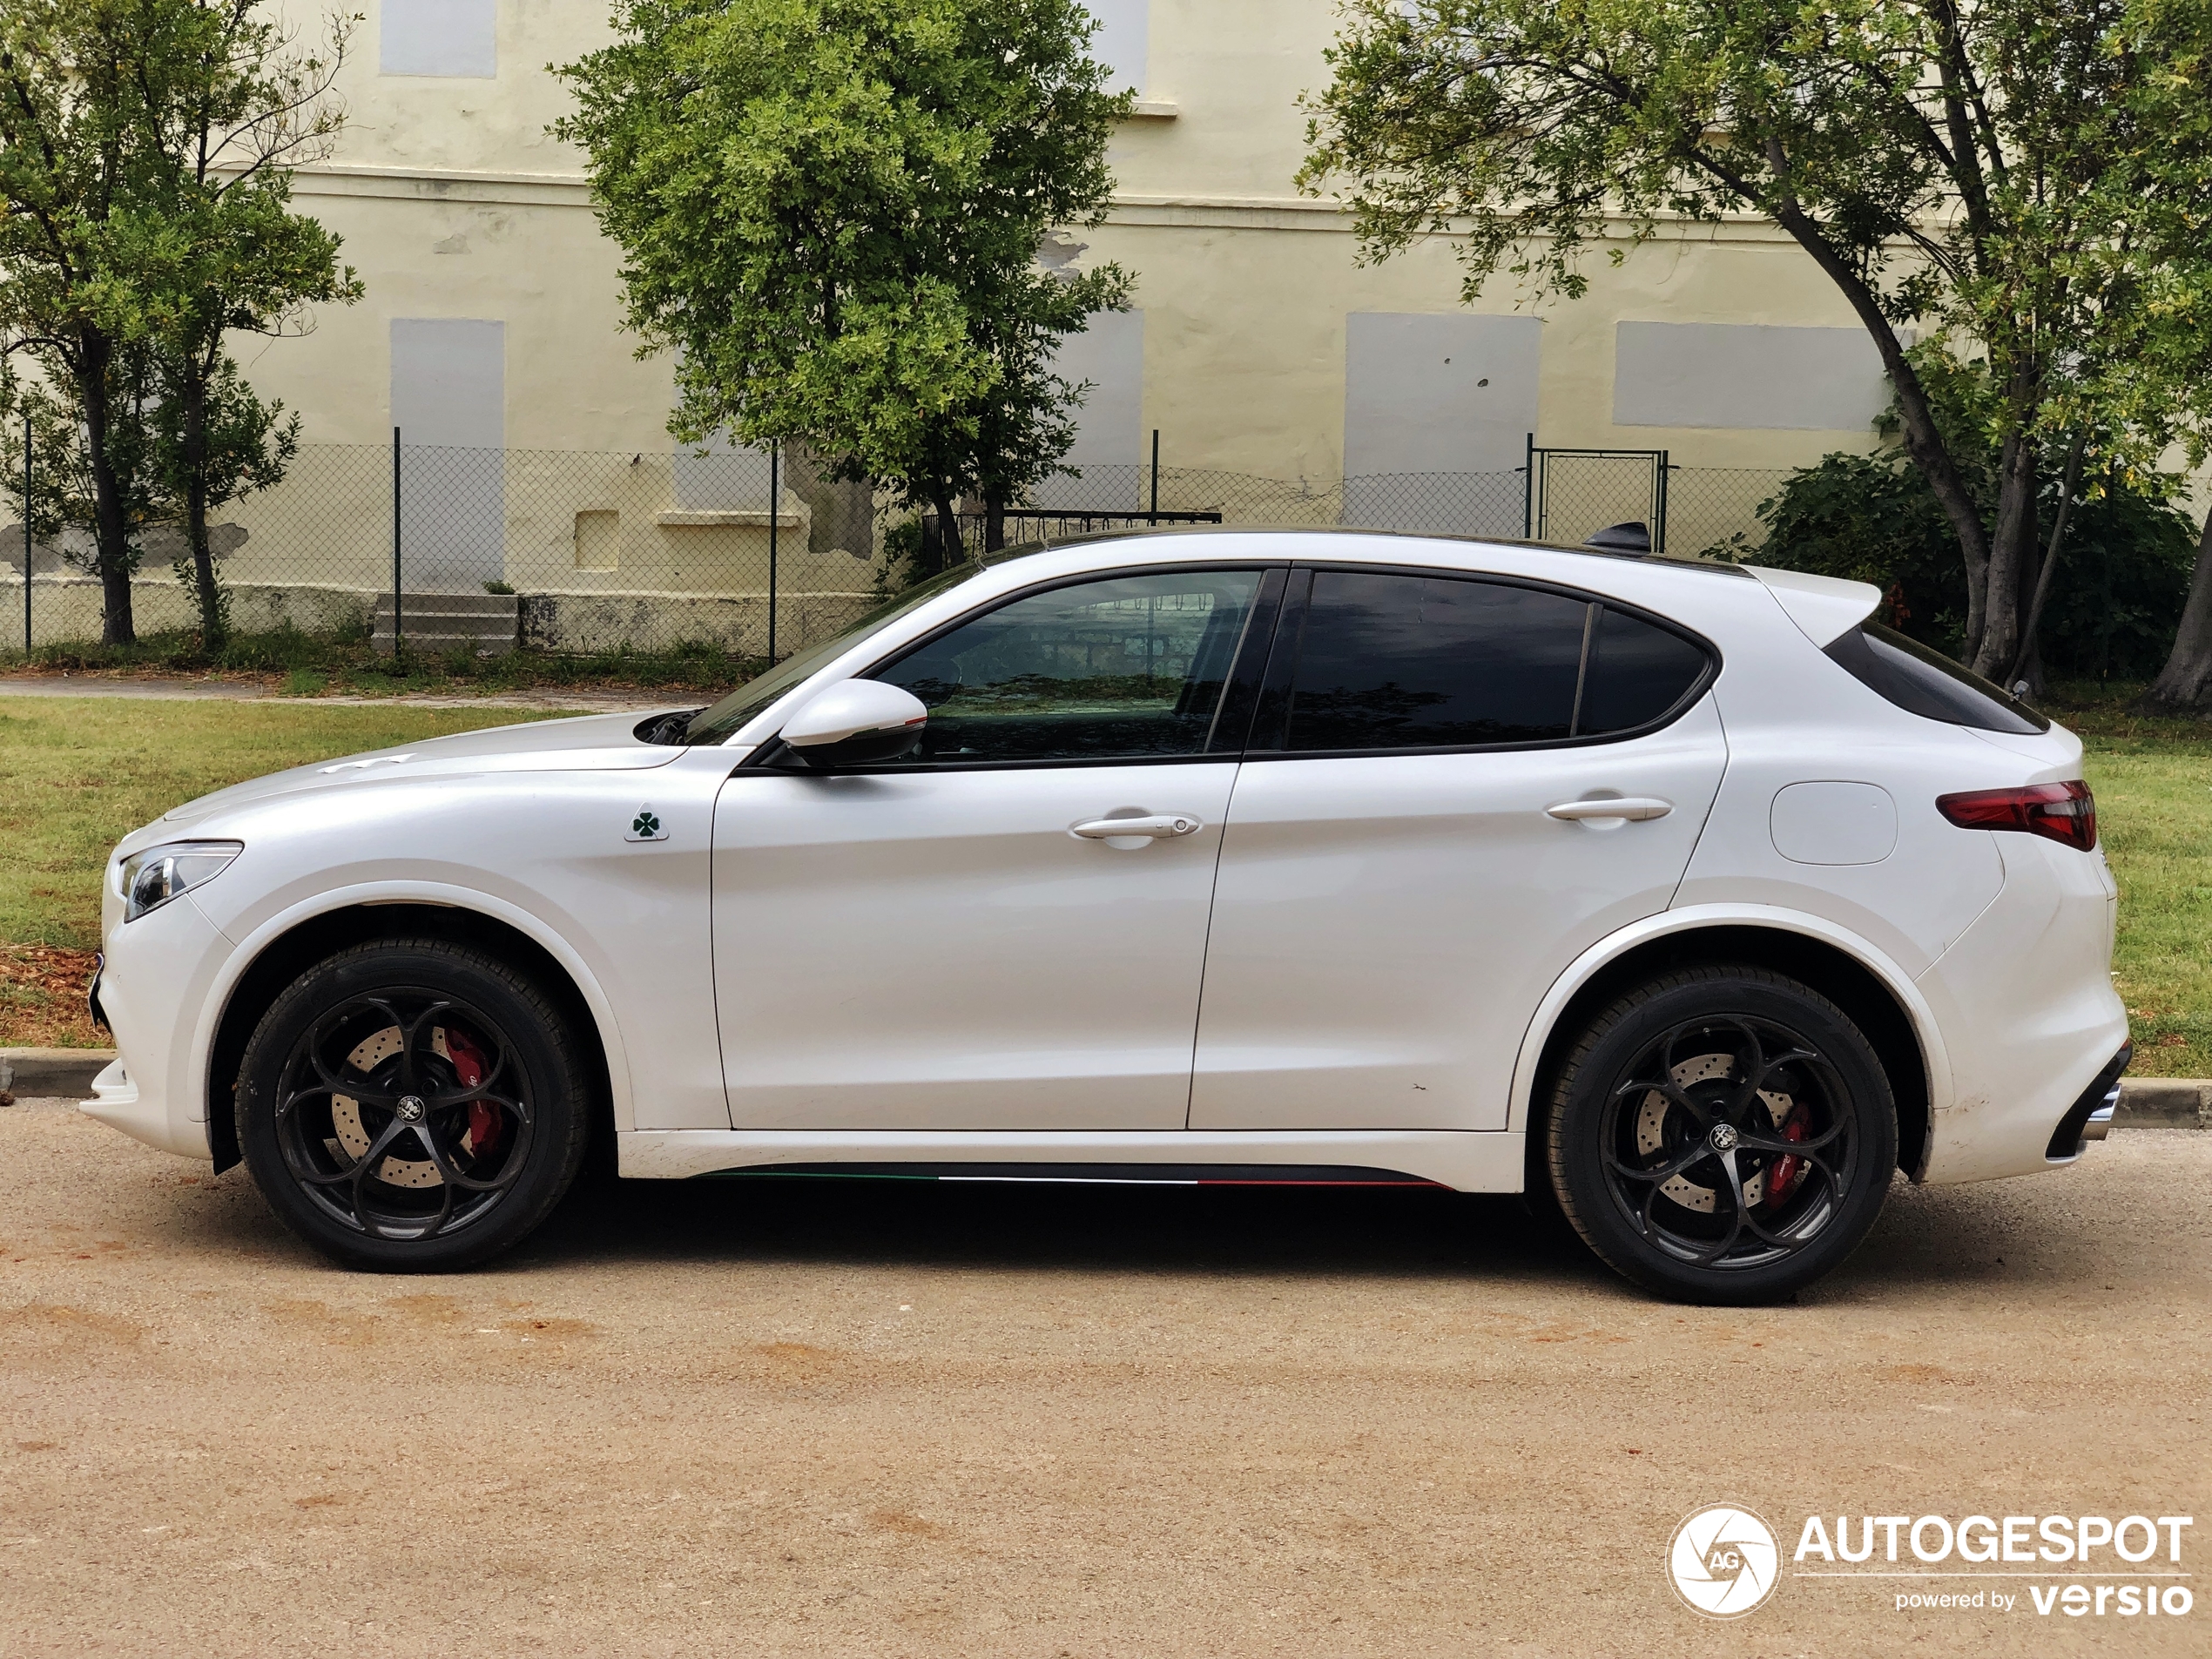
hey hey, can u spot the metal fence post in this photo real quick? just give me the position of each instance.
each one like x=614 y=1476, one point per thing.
x=1659 y=526
x=26 y=535
x=775 y=522
x=1155 y=518
x=396 y=547
x=1528 y=493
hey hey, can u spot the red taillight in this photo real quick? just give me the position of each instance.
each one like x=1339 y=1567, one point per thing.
x=2065 y=812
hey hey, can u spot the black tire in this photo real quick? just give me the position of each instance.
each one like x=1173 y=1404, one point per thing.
x=420 y=1047
x=1746 y=1213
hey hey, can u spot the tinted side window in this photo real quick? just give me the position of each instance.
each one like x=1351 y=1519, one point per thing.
x=1637 y=673
x=1125 y=668
x=1392 y=661
x=1924 y=682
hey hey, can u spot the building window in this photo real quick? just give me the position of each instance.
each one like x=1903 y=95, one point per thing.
x=450 y=403
x=1122 y=40
x=598 y=540
x=1738 y=376
x=1426 y=394
x=448 y=37
x=1109 y=447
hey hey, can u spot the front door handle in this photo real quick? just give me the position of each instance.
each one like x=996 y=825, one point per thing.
x=1634 y=808
x=1162 y=827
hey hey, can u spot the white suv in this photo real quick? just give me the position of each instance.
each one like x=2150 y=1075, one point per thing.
x=1681 y=892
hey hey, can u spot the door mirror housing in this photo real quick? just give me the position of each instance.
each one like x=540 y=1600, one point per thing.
x=857 y=723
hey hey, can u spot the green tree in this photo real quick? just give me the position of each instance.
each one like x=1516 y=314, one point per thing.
x=143 y=218
x=211 y=248
x=830 y=211
x=67 y=167
x=2022 y=181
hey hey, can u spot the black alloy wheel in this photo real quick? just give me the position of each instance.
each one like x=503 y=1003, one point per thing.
x=1723 y=1134
x=412 y=1106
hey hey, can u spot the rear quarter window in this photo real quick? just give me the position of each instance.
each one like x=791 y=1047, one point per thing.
x=1923 y=681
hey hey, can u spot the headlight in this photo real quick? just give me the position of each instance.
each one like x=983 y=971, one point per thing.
x=153 y=878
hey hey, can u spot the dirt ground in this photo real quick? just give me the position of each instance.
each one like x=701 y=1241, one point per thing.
x=855 y=1418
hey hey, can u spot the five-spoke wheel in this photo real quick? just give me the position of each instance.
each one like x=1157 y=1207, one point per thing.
x=411 y=1105
x=1723 y=1134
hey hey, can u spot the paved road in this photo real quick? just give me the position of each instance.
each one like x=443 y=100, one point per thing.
x=930 y=1420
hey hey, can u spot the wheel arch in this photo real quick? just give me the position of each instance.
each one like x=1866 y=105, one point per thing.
x=290 y=948
x=1878 y=995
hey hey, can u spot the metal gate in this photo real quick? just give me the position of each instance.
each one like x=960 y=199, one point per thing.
x=1570 y=495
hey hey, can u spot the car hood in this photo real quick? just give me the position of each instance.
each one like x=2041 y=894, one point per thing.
x=593 y=743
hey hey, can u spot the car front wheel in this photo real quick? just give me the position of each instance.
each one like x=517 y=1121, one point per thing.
x=1722 y=1134
x=412 y=1106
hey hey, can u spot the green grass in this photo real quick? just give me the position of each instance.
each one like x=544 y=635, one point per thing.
x=78 y=774
x=303 y=665
x=2152 y=779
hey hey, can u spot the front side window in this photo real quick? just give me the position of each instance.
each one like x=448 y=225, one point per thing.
x=1390 y=660
x=1125 y=668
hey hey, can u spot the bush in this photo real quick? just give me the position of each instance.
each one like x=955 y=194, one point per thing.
x=2123 y=574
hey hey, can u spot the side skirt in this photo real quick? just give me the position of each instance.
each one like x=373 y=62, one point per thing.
x=1487 y=1162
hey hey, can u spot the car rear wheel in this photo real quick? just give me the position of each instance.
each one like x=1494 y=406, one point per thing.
x=1722 y=1134
x=412 y=1106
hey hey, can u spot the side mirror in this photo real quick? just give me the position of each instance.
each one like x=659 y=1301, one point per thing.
x=857 y=723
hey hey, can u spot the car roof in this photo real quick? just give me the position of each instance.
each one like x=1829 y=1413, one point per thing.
x=1050 y=543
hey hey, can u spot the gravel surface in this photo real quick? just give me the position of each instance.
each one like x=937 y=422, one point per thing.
x=870 y=1418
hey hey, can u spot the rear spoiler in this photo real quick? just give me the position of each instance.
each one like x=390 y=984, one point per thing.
x=1825 y=607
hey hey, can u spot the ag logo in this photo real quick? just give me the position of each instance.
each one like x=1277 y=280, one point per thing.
x=646 y=826
x=1725 y=1561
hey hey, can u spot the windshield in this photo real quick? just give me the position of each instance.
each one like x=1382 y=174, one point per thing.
x=729 y=716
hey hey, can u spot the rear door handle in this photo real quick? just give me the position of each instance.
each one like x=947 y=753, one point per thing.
x=1161 y=828
x=1634 y=808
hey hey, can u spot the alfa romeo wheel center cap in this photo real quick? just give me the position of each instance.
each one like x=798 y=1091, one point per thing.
x=1723 y=1134
x=410 y=1110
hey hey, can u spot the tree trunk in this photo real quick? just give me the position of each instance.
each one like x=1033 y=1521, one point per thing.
x=2185 y=687
x=213 y=627
x=111 y=534
x=2028 y=665
x=944 y=549
x=994 y=524
x=1924 y=443
x=2011 y=562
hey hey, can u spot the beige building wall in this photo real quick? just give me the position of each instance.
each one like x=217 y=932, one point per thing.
x=455 y=203
x=456 y=206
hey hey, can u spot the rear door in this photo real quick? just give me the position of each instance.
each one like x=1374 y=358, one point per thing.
x=1418 y=844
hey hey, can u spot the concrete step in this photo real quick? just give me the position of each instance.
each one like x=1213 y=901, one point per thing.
x=437 y=623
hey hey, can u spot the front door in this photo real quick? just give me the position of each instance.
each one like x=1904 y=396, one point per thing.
x=964 y=940
x=1418 y=844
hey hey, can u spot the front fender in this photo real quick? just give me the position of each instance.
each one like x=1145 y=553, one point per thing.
x=522 y=920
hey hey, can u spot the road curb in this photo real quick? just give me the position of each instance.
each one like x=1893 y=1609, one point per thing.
x=2164 y=1102
x=38 y=1074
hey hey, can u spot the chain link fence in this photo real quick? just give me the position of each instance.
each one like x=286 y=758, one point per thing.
x=576 y=551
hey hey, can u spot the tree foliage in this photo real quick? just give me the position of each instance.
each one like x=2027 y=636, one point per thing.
x=2022 y=182
x=145 y=147
x=830 y=211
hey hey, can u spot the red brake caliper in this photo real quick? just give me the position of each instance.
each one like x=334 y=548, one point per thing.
x=468 y=1065
x=1788 y=1169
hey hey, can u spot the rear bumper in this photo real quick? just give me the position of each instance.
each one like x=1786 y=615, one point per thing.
x=2029 y=1016
x=2090 y=1118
